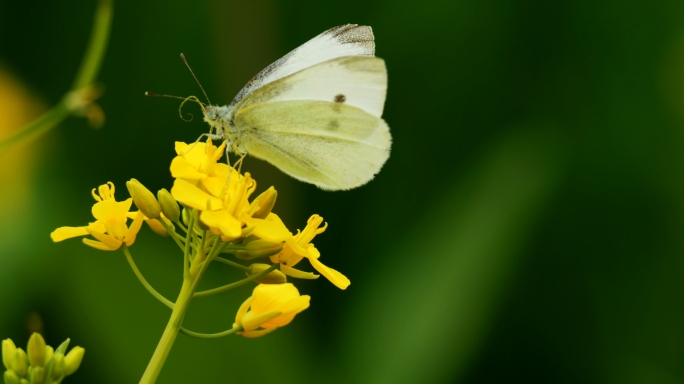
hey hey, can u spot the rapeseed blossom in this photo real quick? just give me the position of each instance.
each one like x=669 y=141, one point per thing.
x=270 y=307
x=110 y=229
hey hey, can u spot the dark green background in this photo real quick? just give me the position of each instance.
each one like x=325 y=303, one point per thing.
x=526 y=228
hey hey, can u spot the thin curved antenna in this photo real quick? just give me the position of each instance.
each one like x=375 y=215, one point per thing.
x=185 y=100
x=190 y=98
x=193 y=75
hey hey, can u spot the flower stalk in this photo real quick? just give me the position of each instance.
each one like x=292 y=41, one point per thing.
x=218 y=218
x=79 y=100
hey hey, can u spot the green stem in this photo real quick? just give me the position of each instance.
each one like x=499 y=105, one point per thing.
x=211 y=335
x=92 y=61
x=144 y=282
x=186 y=253
x=232 y=263
x=86 y=76
x=232 y=248
x=181 y=226
x=236 y=284
x=170 y=333
x=172 y=233
x=174 y=325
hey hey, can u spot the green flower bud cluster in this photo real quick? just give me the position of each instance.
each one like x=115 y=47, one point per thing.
x=156 y=209
x=40 y=364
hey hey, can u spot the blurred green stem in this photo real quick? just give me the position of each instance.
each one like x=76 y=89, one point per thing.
x=211 y=335
x=144 y=282
x=173 y=234
x=190 y=283
x=236 y=284
x=81 y=93
x=170 y=333
x=232 y=263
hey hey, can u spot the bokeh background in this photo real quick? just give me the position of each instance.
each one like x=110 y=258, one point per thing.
x=526 y=228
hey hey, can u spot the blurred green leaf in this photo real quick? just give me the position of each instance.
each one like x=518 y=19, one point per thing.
x=423 y=315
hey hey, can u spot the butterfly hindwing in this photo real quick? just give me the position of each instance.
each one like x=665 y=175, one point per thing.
x=332 y=145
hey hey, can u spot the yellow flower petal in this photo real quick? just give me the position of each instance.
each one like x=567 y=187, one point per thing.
x=193 y=153
x=273 y=231
x=64 y=233
x=271 y=307
x=296 y=248
x=252 y=321
x=216 y=184
x=188 y=194
x=107 y=240
x=181 y=168
x=335 y=277
x=296 y=273
x=293 y=307
x=223 y=222
x=134 y=228
x=107 y=209
x=242 y=311
x=97 y=245
x=255 y=334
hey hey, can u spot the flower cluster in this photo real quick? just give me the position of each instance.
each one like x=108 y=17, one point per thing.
x=218 y=216
x=40 y=363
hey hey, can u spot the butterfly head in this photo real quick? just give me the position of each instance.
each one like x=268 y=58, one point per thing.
x=218 y=118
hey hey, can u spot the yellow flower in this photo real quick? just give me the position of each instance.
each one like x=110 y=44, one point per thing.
x=110 y=227
x=269 y=308
x=221 y=194
x=298 y=247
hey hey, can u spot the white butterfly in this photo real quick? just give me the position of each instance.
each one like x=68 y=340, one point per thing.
x=314 y=113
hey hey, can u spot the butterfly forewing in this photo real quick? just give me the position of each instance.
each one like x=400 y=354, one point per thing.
x=345 y=40
x=357 y=81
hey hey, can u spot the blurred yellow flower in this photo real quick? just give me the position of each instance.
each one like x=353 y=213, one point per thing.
x=221 y=194
x=110 y=227
x=269 y=308
x=298 y=247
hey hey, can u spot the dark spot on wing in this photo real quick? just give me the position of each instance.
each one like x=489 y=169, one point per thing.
x=333 y=125
x=340 y=98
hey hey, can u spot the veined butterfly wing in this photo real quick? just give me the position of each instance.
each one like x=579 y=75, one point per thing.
x=344 y=40
x=322 y=124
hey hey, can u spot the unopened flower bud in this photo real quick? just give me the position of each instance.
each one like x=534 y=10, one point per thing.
x=265 y=203
x=49 y=352
x=273 y=277
x=169 y=205
x=37 y=375
x=144 y=199
x=8 y=351
x=73 y=360
x=36 y=350
x=11 y=377
x=157 y=227
x=57 y=366
x=263 y=248
x=244 y=255
x=20 y=362
x=185 y=214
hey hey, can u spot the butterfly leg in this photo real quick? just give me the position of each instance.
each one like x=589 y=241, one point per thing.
x=238 y=162
x=209 y=135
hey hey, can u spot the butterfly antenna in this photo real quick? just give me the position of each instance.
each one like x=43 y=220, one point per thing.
x=152 y=94
x=185 y=100
x=193 y=75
